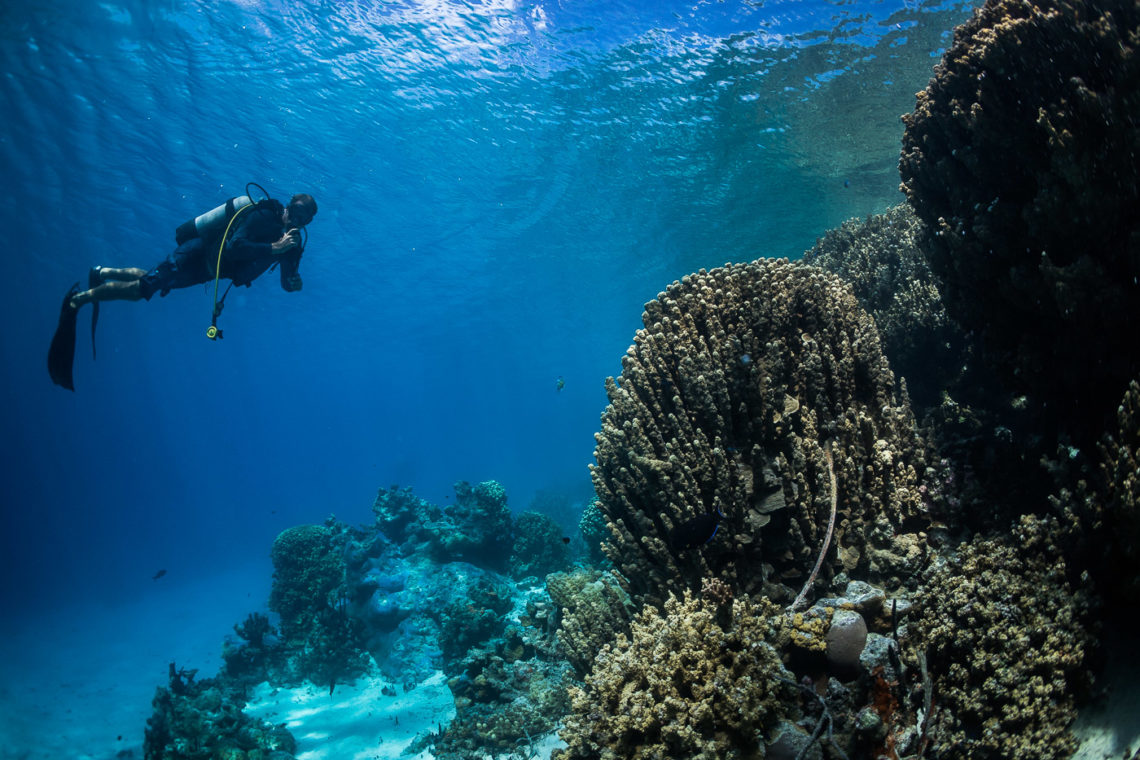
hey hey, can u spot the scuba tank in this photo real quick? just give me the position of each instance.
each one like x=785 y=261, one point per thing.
x=212 y=223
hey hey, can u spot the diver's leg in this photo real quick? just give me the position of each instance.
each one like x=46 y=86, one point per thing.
x=118 y=274
x=108 y=291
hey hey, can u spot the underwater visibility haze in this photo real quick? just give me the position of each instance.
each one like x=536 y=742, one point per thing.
x=501 y=187
x=630 y=402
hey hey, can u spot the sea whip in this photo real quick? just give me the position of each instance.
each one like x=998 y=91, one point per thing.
x=830 y=529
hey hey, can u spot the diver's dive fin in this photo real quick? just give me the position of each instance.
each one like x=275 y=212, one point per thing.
x=61 y=355
x=94 y=281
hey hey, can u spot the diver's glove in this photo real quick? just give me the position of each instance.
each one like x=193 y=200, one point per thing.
x=293 y=284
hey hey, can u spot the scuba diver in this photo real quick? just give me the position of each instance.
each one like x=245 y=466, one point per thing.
x=239 y=241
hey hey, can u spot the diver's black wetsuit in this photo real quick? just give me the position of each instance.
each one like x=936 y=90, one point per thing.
x=247 y=255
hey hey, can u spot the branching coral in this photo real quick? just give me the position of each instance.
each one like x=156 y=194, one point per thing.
x=739 y=378
x=682 y=684
x=1021 y=156
x=1004 y=637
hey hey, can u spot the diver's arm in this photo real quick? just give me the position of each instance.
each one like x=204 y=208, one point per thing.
x=290 y=278
x=245 y=244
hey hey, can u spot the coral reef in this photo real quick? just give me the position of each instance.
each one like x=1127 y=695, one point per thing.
x=1021 y=157
x=308 y=576
x=880 y=257
x=476 y=528
x=309 y=593
x=508 y=693
x=592 y=526
x=539 y=548
x=202 y=720
x=1002 y=631
x=1103 y=508
x=595 y=609
x=559 y=506
x=255 y=654
x=396 y=508
x=740 y=379
x=473 y=618
x=683 y=685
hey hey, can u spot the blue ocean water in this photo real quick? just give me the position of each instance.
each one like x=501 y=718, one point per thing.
x=502 y=185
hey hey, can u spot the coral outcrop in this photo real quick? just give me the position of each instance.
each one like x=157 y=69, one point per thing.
x=475 y=528
x=592 y=527
x=540 y=546
x=1021 y=157
x=881 y=258
x=308 y=576
x=202 y=720
x=687 y=682
x=595 y=609
x=741 y=382
x=310 y=594
x=1104 y=507
x=1004 y=637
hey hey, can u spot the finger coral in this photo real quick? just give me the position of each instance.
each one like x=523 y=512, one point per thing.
x=727 y=399
x=682 y=685
x=1004 y=637
x=1021 y=157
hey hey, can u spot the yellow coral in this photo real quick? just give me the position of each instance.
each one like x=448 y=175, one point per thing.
x=682 y=684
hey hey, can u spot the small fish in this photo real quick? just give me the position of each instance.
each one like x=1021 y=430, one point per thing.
x=696 y=531
x=559 y=384
x=566 y=539
x=158 y=575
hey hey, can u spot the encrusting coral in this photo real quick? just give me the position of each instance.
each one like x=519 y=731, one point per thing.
x=1021 y=156
x=1003 y=633
x=683 y=684
x=727 y=399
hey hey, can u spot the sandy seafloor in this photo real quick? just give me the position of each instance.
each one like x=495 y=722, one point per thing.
x=77 y=683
